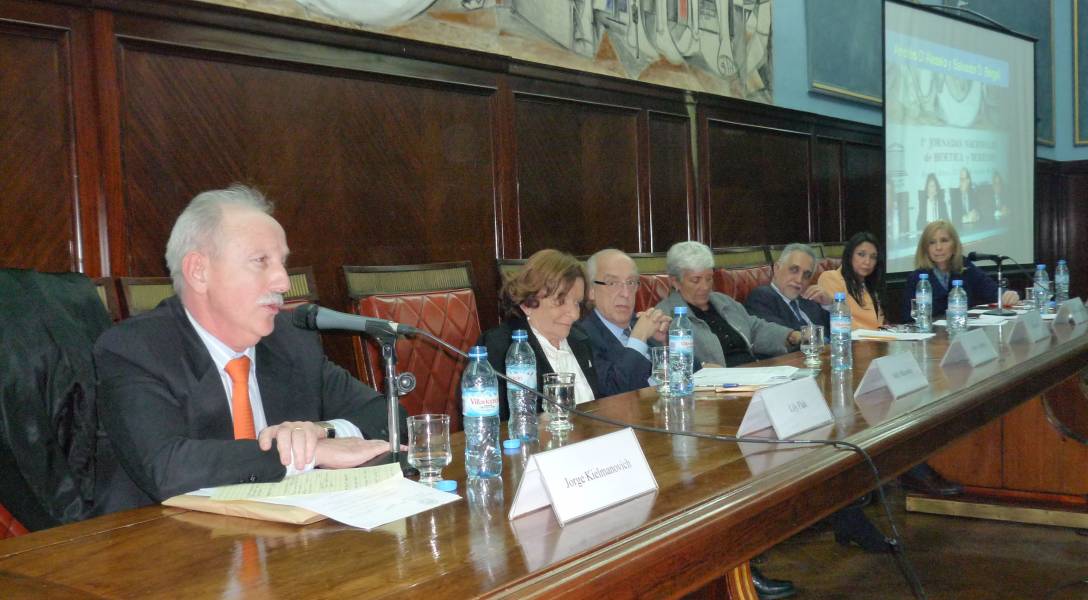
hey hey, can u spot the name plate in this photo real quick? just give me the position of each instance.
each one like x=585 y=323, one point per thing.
x=972 y=346
x=1071 y=311
x=789 y=408
x=899 y=373
x=1029 y=328
x=584 y=478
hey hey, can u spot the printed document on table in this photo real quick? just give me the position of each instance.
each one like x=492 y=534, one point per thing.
x=318 y=481
x=887 y=336
x=372 y=506
x=977 y=321
x=720 y=376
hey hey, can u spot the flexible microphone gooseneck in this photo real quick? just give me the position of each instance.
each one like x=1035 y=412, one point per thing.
x=311 y=316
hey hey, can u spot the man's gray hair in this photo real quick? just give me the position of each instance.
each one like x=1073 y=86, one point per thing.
x=688 y=256
x=197 y=228
x=796 y=247
x=591 y=263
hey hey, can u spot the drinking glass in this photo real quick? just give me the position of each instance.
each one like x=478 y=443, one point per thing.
x=559 y=388
x=812 y=343
x=429 y=446
x=659 y=369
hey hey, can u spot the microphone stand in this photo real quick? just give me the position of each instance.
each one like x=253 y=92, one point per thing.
x=1000 y=310
x=395 y=387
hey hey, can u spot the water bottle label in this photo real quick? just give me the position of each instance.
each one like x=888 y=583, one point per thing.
x=681 y=344
x=480 y=402
x=840 y=325
x=524 y=374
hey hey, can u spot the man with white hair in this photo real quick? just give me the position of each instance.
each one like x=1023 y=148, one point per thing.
x=215 y=386
x=619 y=338
x=789 y=300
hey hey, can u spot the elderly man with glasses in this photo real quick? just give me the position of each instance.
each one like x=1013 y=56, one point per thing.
x=620 y=338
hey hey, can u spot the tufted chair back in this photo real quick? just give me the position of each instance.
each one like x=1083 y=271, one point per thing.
x=652 y=287
x=9 y=525
x=435 y=297
x=738 y=283
x=825 y=264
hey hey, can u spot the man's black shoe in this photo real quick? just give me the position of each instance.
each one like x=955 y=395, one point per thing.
x=922 y=478
x=771 y=589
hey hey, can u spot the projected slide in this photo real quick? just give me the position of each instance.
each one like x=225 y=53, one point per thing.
x=959 y=134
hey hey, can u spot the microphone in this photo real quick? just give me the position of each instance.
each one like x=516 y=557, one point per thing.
x=980 y=256
x=312 y=316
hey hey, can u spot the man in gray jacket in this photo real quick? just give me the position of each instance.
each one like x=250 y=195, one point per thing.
x=723 y=331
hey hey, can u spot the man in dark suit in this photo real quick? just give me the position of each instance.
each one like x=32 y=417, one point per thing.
x=789 y=300
x=215 y=386
x=619 y=337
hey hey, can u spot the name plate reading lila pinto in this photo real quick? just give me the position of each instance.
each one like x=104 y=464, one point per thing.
x=973 y=346
x=790 y=408
x=1029 y=328
x=584 y=478
x=1071 y=311
x=899 y=373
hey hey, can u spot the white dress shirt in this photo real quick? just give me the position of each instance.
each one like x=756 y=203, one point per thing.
x=563 y=361
x=222 y=354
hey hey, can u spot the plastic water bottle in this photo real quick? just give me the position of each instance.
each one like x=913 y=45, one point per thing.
x=842 y=357
x=1042 y=289
x=1061 y=282
x=480 y=407
x=923 y=296
x=681 y=353
x=957 y=309
x=521 y=367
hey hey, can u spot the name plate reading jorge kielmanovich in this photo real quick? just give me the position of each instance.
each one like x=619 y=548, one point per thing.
x=584 y=478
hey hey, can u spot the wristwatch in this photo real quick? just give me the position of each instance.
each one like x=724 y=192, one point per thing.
x=330 y=429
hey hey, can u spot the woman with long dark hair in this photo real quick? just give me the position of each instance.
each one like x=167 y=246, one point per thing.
x=861 y=277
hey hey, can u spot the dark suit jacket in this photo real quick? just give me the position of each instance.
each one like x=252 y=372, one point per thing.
x=497 y=341
x=619 y=368
x=980 y=288
x=766 y=304
x=167 y=415
x=923 y=208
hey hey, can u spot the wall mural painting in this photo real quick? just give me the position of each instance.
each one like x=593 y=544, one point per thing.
x=717 y=46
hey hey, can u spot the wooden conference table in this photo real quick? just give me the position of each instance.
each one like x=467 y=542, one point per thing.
x=718 y=505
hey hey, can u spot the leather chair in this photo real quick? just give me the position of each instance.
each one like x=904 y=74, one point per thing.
x=9 y=525
x=738 y=283
x=435 y=297
x=141 y=294
x=825 y=264
x=107 y=293
x=741 y=256
x=652 y=287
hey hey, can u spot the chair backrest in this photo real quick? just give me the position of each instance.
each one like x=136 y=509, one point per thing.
x=649 y=263
x=508 y=266
x=825 y=264
x=833 y=249
x=652 y=287
x=741 y=256
x=738 y=283
x=303 y=287
x=438 y=298
x=141 y=294
x=9 y=525
x=107 y=293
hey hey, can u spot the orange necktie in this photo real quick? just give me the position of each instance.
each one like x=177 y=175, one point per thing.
x=238 y=370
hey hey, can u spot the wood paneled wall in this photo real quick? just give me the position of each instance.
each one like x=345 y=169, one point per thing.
x=381 y=151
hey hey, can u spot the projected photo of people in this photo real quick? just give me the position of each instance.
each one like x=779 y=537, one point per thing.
x=959 y=133
x=962 y=199
x=931 y=205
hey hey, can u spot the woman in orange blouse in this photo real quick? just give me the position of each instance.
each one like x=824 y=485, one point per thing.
x=860 y=277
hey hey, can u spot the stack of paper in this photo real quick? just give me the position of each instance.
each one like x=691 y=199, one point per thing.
x=752 y=376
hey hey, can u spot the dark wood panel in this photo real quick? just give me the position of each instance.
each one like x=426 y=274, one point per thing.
x=670 y=181
x=863 y=190
x=827 y=190
x=1074 y=220
x=362 y=171
x=38 y=207
x=577 y=166
x=757 y=185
